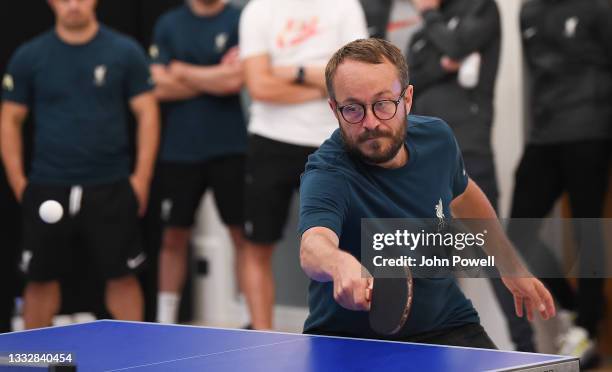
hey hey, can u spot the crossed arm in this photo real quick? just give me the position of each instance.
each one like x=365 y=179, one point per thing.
x=276 y=84
x=180 y=80
x=479 y=27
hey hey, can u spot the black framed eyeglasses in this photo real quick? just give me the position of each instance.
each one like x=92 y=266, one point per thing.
x=385 y=109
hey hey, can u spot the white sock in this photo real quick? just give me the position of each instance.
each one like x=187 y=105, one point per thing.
x=167 y=307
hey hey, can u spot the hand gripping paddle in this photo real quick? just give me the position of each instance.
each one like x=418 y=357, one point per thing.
x=390 y=301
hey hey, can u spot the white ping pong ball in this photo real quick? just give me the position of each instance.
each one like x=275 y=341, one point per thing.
x=51 y=211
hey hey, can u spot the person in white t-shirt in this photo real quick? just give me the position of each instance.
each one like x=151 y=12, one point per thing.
x=285 y=45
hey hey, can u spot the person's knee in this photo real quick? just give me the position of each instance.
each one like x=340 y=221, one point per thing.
x=42 y=298
x=37 y=287
x=237 y=235
x=124 y=282
x=176 y=239
x=261 y=253
x=124 y=298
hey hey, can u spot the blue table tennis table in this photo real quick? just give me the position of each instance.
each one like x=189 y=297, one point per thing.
x=129 y=346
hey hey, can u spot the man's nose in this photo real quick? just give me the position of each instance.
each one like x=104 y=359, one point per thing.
x=370 y=121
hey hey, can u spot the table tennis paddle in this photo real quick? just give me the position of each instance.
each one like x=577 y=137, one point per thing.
x=390 y=302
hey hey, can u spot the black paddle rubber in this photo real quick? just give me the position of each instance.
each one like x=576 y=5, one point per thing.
x=391 y=299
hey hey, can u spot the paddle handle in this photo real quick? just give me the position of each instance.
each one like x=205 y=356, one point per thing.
x=369 y=289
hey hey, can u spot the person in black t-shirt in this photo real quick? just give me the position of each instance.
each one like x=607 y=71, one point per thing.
x=198 y=75
x=77 y=79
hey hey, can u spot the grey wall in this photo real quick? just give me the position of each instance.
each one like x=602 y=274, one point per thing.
x=291 y=282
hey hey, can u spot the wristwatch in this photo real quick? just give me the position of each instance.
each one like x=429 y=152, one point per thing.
x=301 y=74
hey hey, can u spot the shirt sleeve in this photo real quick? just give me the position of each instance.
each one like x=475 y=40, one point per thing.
x=253 y=33
x=138 y=75
x=460 y=178
x=354 y=25
x=425 y=67
x=160 y=50
x=17 y=82
x=323 y=201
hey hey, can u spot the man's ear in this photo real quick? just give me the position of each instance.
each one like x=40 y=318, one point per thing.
x=408 y=98
x=333 y=106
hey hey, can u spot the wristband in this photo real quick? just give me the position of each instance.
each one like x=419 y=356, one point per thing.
x=301 y=74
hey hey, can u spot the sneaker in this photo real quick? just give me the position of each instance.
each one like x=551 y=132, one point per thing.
x=576 y=342
x=566 y=319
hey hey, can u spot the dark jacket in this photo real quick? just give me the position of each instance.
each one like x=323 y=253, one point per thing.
x=568 y=52
x=456 y=30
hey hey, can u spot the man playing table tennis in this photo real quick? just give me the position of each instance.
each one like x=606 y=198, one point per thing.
x=382 y=163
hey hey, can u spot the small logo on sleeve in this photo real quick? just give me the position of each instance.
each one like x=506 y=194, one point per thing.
x=154 y=51
x=419 y=45
x=100 y=75
x=7 y=83
x=453 y=23
x=570 y=27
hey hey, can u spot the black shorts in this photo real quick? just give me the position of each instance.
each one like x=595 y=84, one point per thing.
x=273 y=175
x=183 y=184
x=98 y=224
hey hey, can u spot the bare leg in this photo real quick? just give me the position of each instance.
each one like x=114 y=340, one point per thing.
x=239 y=261
x=41 y=303
x=173 y=259
x=124 y=298
x=259 y=283
x=172 y=272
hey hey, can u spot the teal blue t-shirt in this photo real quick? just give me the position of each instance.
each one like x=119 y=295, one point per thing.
x=205 y=126
x=79 y=96
x=337 y=191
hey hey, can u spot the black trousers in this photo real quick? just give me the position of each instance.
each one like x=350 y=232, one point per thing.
x=546 y=171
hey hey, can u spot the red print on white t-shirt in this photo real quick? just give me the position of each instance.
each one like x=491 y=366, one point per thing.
x=297 y=32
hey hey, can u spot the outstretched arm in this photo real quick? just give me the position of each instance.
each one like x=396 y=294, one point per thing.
x=527 y=290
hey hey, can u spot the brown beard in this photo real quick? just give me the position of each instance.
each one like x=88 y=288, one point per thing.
x=208 y=2
x=353 y=149
x=76 y=26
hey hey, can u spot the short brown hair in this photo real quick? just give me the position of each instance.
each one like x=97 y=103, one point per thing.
x=373 y=51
